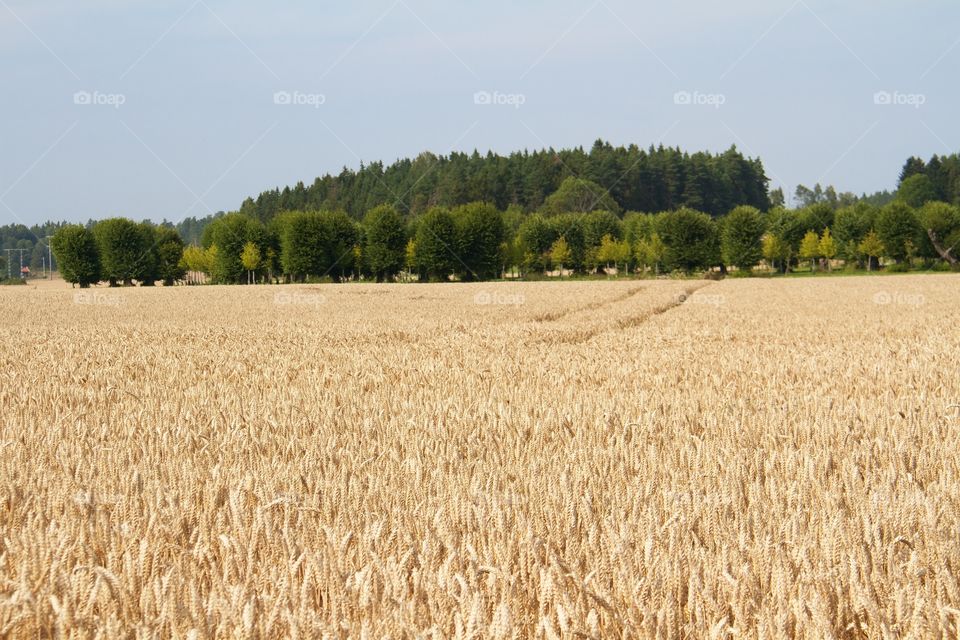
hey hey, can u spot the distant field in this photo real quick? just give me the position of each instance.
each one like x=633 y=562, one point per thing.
x=744 y=458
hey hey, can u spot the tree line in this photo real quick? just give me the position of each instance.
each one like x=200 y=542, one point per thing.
x=655 y=179
x=120 y=252
x=578 y=229
x=935 y=180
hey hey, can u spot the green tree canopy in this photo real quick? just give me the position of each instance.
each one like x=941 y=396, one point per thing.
x=386 y=241
x=810 y=247
x=317 y=244
x=598 y=224
x=250 y=259
x=776 y=251
x=77 y=255
x=480 y=232
x=827 y=248
x=436 y=244
x=740 y=240
x=691 y=239
x=125 y=250
x=898 y=230
x=168 y=247
x=570 y=226
x=576 y=195
x=917 y=190
x=230 y=234
x=560 y=254
x=851 y=225
x=872 y=247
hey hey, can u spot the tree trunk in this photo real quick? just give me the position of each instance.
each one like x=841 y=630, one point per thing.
x=946 y=254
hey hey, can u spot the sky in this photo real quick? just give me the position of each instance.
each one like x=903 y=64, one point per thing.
x=164 y=109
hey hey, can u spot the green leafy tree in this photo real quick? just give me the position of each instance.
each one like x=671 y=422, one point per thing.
x=437 y=244
x=230 y=233
x=576 y=195
x=851 y=225
x=560 y=254
x=777 y=198
x=598 y=224
x=810 y=248
x=345 y=236
x=650 y=252
x=480 y=233
x=740 y=240
x=776 y=251
x=917 y=190
x=250 y=258
x=570 y=227
x=816 y=217
x=536 y=236
x=410 y=256
x=690 y=238
x=827 y=248
x=124 y=250
x=613 y=252
x=77 y=255
x=789 y=227
x=872 y=247
x=168 y=249
x=606 y=253
x=591 y=259
x=386 y=241
x=898 y=228
x=940 y=223
x=512 y=253
x=637 y=226
x=147 y=267
x=196 y=260
x=316 y=244
x=622 y=254
x=304 y=238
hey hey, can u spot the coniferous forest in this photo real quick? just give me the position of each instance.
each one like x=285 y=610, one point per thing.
x=655 y=179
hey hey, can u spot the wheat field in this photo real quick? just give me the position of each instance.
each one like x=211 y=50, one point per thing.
x=627 y=459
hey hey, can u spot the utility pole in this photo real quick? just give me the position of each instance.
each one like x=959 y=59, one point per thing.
x=9 y=276
x=50 y=257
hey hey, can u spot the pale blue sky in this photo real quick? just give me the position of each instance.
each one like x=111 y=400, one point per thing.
x=199 y=128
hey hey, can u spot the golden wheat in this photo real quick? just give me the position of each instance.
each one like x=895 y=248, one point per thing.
x=663 y=459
